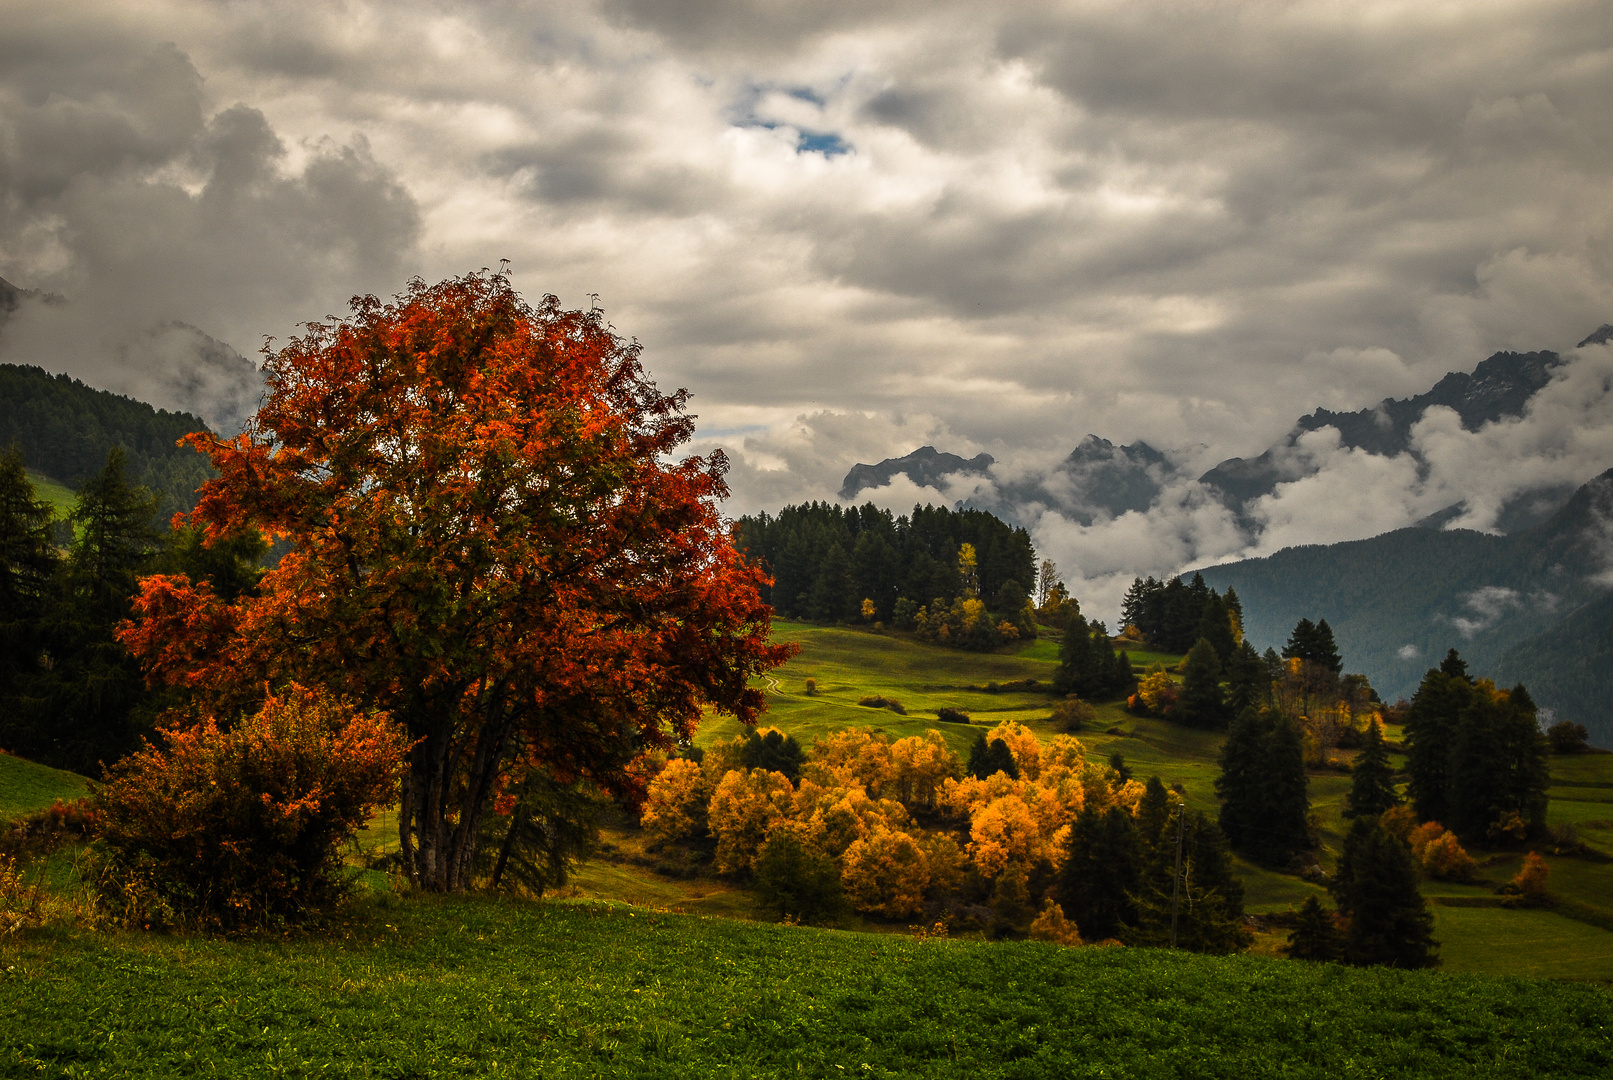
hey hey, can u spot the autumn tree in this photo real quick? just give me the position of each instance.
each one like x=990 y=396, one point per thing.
x=489 y=539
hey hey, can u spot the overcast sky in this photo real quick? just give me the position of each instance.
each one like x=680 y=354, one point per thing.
x=850 y=228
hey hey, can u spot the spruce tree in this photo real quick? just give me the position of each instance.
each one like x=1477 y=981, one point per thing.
x=1205 y=902
x=1248 y=682
x=1372 y=779
x=1498 y=764
x=986 y=759
x=1314 y=936
x=1376 y=887
x=1101 y=873
x=81 y=709
x=1430 y=735
x=1200 y=703
x=1264 y=792
x=1215 y=626
x=1324 y=652
x=1241 y=784
x=1284 y=825
x=27 y=566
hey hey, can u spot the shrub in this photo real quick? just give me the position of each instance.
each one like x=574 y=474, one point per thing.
x=876 y=702
x=797 y=879
x=811 y=688
x=46 y=830
x=950 y=715
x=1439 y=853
x=1052 y=926
x=1568 y=737
x=240 y=828
x=1530 y=884
x=1072 y=714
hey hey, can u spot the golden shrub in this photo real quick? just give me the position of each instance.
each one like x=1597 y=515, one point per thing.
x=1052 y=926
x=744 y=808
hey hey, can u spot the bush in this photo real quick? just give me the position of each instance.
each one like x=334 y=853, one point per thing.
x=1052 y=926
x=875 y=702
x=1568 y=737
x=1530 y=884
x=811 y=688
x=1072 y=714
x=46 y=830
x=239 y=829
x=950 y=715
x=798 y=880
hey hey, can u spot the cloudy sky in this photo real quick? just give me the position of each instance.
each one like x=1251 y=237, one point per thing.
x=850 y=228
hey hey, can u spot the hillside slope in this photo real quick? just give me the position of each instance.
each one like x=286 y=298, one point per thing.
x=65 y=430
x=1533 y=606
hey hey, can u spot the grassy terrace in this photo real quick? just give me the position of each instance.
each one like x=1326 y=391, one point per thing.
x=632 y=975
x=478 y=987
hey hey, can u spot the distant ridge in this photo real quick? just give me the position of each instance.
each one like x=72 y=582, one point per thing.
x=1535 y=607
x=925 y=466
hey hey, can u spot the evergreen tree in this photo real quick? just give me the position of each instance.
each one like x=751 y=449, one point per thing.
x=1265 y=796
x=1302 y=642
x=1248 y=683
x=1314 y=936
x=81 y=708
x=1089 y=667
x=1215 y=626
x=775 y=752
x=1498 y=764
x=1205 y=902
x=1200 y=704
x=27 y=566
x=986 y=759
x=1430 y=736
x=1376 y=887
x=1153 y=813
x=1241 y=785
x=1324 y=652
x=1101 y=873
x=1372 y=779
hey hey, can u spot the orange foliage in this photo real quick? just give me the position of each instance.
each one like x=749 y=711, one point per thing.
x=241 y=827
x=1005 y=831
x=1052 y=926
x=1439 y=852
x=855 y=757
x=491 y=541
x=1531 y=880
x=886 y=873
x=920 y=765
x=675 y=808
x=744 y=808
x=1023 y=744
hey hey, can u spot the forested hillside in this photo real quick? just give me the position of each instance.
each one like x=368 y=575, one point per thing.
x=65 y=430
x=1529 y=607
x=826 y=559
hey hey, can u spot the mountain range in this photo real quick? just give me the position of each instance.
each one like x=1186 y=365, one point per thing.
x=1534 y=607
x=1099 y=479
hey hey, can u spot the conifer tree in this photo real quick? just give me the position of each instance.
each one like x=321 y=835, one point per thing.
x=27 y=565
x=1498 y=764
x=1241 y=783
x=1201 y=704
x=985 y=758
x=1265 y=796
x=79 y=711
x=1314 y=936
x=1101 y=873
x=1205 y=902
x=1430 y=736
x=1153 y=813
x=1372 y=779
x=1215 y=626
x=1376 y=887
x=1248 y=683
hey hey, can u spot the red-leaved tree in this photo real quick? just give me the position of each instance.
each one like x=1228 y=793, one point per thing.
x=489 y=540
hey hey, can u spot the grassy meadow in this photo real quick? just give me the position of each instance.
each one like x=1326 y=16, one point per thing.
x=485 y=987
x=643 y=969
x=1572 y=940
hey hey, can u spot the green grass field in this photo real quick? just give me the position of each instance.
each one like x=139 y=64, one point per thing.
x=481 y=987
x=57 y=495
x=26 y=787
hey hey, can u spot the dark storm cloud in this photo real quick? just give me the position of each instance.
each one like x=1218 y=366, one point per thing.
x=175 y=232
x=854 y=228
